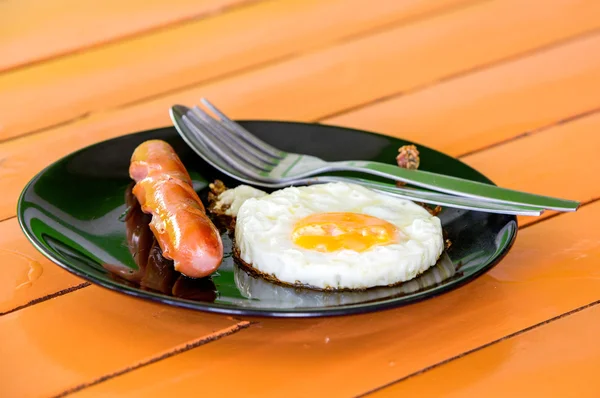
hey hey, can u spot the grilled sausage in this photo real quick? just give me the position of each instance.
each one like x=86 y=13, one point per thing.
x=179 y=222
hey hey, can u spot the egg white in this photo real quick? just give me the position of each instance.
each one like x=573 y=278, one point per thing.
x=232 y=199
x=264 y=228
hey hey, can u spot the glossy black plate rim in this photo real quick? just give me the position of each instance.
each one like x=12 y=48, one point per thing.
x=349 y=309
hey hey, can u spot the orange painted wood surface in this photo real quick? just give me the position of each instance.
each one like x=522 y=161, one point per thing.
x=26 y=275
x=167 y=60
x=510 y=87
x=543 y=362
x=89 y=333
x=33 y=31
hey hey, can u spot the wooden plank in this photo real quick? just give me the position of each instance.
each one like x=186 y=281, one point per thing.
x=576 y=68
x=468 y=113
x=90 y=333
x=556 y=360
x=25 y=274
x=24 y=157
x=160 y=62
x=546 y=274
x=32 y=31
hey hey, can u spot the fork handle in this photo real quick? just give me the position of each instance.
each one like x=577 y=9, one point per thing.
x=435 y=198
x=456 y=186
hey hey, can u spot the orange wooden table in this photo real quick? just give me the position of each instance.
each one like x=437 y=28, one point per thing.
x=509 y=86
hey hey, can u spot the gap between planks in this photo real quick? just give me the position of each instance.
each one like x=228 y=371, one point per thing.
x=47 y=297
x=290 y=56
x=238 y=327
x=272 y=62
x=516 y=57
x=481 y=347
x=276 y=61
x=466 y=72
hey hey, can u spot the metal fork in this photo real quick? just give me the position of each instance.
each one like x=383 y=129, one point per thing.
x=264 y=163
x=196 y=141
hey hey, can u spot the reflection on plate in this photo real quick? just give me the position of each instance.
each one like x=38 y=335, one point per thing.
x=156 y=273
x=272 y=295
x=74 y=212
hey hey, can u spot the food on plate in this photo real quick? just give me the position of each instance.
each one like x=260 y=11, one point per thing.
x=408 y=157
x=139 y=235
x=224 y=203
x=154 y=272
x=337 y=243
x=336 y=236
x=180 y=224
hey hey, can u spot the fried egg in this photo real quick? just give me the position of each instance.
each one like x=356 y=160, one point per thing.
x=337 y=236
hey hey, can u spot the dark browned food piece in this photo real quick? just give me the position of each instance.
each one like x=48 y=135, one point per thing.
x=222 y=221
x=433 y=211
x=160 y=273
x=139 y=235
x=139 y=239
x=195 y=289
x=447 y=244
x=408 y=157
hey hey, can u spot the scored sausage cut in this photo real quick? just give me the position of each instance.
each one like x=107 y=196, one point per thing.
x=179 y=222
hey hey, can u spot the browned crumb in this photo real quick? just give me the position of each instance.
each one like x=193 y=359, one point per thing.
x=216 y=189
x=223 y=221
x=408 y=157
x=434 y=212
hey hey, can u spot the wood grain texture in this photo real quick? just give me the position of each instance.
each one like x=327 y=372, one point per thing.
x=531 y=98
x=25 y=274
x=545 y=274
x=145 y=66
x=481 y=108
x=565 y=162
x=31 y=30
x=89 y=333
x=545 y=362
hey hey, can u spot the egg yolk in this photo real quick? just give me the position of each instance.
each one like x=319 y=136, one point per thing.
x=329 y=232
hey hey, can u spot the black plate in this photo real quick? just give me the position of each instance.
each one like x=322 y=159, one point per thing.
x=73 y=213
